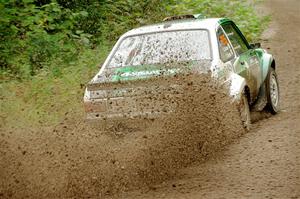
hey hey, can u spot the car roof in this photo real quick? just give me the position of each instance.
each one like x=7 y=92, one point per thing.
x=209 y=24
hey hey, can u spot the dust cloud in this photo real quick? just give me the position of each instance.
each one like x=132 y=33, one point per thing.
x=77 y=159
x=204 y=121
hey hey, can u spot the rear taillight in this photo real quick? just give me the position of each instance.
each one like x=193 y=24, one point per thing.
x=95 y=106
x=98 y=94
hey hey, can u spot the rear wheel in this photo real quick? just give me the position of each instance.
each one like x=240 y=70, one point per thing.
x=245 y=111
x=272 y=91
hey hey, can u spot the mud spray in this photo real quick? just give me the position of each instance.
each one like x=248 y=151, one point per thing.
x=76 y=159
x=204 y=121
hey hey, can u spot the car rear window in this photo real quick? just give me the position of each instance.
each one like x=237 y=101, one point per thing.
x=161 y=48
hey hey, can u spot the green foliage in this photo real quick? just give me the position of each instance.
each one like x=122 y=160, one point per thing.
x=240 y=11
x=33 y=33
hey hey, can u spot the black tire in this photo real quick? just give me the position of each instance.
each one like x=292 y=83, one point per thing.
x=244 y=109
x=272 y=92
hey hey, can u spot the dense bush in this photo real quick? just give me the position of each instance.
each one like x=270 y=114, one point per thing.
x=34 y=32
x=32 y=35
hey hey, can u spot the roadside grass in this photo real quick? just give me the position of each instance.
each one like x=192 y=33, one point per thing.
x=56 y=92
x=47 y=98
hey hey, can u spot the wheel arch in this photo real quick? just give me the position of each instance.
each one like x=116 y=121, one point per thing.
x=268 y=62
x=273 y=64
x=237 y=87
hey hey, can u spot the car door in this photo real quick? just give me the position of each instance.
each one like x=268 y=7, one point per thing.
x=246 y=62
x=227 y=55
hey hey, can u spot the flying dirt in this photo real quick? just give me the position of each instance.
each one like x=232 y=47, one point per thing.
x=78 y=160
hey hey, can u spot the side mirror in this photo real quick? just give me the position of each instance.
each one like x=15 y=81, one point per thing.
x=255 y=45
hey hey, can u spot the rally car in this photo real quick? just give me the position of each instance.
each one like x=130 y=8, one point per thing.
x=213 y=46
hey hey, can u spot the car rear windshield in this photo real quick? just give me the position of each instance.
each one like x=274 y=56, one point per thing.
x=162 y=47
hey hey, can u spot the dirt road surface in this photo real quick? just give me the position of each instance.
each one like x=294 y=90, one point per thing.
x=74 y=160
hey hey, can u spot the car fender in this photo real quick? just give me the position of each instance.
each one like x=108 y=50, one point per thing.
x=267 y=60
x=237 y=85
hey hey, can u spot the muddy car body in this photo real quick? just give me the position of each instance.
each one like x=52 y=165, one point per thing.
x=212 y=46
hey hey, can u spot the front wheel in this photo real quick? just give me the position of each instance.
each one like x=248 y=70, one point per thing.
x=272 y=91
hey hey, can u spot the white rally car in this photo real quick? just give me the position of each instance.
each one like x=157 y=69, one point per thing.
x=214 y=45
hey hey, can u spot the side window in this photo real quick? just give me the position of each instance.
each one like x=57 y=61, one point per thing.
x=225 y=49
x=236 y=40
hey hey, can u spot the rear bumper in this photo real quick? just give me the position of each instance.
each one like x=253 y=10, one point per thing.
x=120 y=116
x=101 y=110
x=127 y=108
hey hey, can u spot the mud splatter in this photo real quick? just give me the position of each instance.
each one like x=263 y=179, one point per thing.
x=76 y=159
x=205 y=120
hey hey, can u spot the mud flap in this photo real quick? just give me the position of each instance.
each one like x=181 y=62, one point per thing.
x=261 y=101
x=237 y=86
